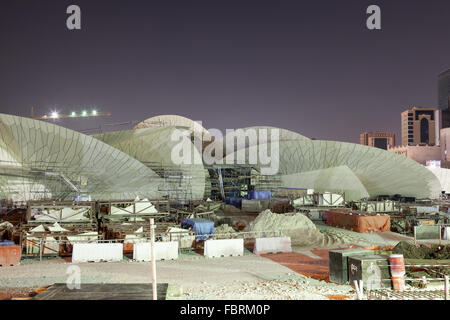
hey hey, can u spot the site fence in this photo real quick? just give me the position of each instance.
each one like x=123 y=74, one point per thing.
x=417 y=292
x=413 y=294
x=434 y=232
x=40 y=246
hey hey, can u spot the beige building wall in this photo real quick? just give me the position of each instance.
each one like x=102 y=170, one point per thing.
x=445 y=146
x=420 y=154
x=369 y=138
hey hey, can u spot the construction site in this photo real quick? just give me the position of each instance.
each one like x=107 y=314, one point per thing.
x=116 y=213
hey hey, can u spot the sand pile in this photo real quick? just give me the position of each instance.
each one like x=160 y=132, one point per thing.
x=295 y=225
x=224 y=231
x=302 y=230
x=268 y=220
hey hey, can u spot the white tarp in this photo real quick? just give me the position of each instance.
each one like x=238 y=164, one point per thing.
x=140 y=207
x=91 y=236
x=331 y=199
x=65 y=214
x=57 y=228
x=39 y=228
x=49 y=245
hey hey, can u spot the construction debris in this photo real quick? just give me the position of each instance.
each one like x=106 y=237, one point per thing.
x=224 y=228
x=138 y=207
x=411 y=251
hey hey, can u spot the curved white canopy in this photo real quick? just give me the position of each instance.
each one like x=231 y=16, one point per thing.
x=40 y=160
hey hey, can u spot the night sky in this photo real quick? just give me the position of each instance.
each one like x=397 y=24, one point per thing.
x=309 y=66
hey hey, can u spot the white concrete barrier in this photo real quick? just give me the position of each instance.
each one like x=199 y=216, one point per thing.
x=272 y=245
x=226 y=247
x=446 y=233
x=87 y=252
x=163 y=251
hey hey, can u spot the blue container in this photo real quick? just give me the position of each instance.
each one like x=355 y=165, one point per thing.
x=6 y=243
x=260 y=194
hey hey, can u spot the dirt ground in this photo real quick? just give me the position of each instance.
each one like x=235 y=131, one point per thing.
x=299 y=275
x=246 y=277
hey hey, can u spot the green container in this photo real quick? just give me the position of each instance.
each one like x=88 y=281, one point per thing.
x=373 y=270
x=338 y=263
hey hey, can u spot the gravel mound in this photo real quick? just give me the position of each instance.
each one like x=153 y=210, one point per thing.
x=411 y=251
x=224 y=228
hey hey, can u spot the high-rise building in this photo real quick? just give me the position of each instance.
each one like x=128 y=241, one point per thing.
x=444 y=97
x=382 y=140
x=444 y=90
x=420 y=126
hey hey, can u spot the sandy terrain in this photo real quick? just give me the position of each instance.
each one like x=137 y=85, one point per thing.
x=246 y=277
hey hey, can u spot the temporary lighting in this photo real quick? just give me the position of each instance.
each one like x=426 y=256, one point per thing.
x=94 y=112
x=84 y=113
x=54 y=114
x=73 y=114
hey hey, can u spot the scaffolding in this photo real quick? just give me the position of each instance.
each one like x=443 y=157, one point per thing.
x=39 y=180
x=238 y=181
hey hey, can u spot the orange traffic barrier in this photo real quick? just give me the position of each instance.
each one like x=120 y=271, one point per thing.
x=10 y=256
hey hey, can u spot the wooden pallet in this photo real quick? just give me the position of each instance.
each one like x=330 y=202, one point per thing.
x=107 y=291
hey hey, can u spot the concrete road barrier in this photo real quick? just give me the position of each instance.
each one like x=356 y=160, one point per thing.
x=225 y=247
x=272 y=245
x=163 y=251
x=446 y=233
x=95 y=252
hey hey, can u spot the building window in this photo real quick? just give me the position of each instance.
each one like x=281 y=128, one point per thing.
x=424 y=131
x=380 y=143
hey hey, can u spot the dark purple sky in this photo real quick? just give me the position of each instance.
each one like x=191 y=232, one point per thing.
x=309 y=66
